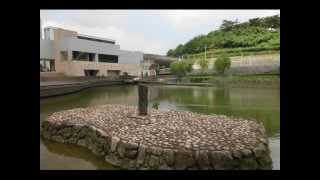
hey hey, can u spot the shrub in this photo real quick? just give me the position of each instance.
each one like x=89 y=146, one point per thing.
x=189 y=64
x=198 y=79
x=222 y=63
x=155 y=105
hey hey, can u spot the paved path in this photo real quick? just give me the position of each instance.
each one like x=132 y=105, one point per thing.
x=53 y=83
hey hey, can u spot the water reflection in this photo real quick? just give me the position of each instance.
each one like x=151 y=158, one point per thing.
x=222 y=96
x=261 y=104
x=72 y=154
x=251 y=103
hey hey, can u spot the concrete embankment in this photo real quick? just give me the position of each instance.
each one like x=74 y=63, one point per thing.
x=163 y=139
x=55 y=88
x=213 y=84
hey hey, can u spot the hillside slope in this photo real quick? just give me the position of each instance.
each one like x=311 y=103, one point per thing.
x=258 y=34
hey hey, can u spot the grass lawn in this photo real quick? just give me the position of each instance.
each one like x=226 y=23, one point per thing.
x=258 y=78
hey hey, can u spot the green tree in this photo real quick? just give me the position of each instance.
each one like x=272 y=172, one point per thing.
x=255 y=22
x=170 y=52
x=222 y=63
x=272 y=22
x=179 y=50
x=179 y=68
x=228 y=25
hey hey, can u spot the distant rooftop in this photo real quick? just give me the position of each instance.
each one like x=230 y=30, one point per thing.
x=158 y=58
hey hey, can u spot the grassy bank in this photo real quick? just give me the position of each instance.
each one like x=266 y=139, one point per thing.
x=238 y=80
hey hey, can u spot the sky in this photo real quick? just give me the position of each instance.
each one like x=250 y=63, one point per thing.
x=148 y=31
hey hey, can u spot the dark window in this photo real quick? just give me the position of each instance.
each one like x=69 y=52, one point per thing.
x=82 y=56
x=90 y=73
x=47 y=65
x=108 y=58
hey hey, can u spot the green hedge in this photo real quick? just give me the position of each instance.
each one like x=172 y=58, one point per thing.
x=198 y=79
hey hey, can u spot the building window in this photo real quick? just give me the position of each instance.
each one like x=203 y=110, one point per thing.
x=47 y=65
x=91 y=72
x=82 y=56
x=108 y=58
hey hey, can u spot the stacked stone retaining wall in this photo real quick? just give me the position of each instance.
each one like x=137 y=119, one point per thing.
x=124 y=153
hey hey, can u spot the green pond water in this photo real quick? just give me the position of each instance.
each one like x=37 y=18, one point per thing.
x=261 y=104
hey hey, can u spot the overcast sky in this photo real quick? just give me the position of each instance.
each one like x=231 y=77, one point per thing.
x=149 y=31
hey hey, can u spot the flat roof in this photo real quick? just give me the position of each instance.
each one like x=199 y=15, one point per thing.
x=83 y=35
x=51 y=27
x=95 y=37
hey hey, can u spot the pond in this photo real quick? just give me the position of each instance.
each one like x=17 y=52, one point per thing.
x=261 y=104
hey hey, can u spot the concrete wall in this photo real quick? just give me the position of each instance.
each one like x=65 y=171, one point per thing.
x=247 y=62
x=128 y=61
x=125 y=57
x=58 y=34
x=130 y=57
x=76 y=68
x=75 y=44
x=46 y=49
x=258 y=60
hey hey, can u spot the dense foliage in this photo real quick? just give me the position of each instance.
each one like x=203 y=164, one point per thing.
x=222 y=63
x=180 y=68
x=259 y=33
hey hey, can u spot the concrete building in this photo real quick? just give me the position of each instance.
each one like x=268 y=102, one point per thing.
x=72 y=54
x=154 y=65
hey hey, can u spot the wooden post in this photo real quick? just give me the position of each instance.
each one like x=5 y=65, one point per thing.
x=143 y=100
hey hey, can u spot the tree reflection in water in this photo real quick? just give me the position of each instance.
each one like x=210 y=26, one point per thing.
x=261 y=104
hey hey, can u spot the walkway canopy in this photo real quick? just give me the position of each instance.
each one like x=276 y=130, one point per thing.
x=158 y=59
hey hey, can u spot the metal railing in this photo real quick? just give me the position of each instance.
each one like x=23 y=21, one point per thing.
x=164 y=71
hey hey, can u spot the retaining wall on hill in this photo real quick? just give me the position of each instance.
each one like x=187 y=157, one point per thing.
x=248 y=64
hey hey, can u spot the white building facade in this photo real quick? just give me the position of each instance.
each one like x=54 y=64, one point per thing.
x=73 y=54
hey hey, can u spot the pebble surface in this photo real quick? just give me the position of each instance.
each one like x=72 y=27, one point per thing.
x=167 y=129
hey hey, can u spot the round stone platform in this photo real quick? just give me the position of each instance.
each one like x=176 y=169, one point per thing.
x=162 y=139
